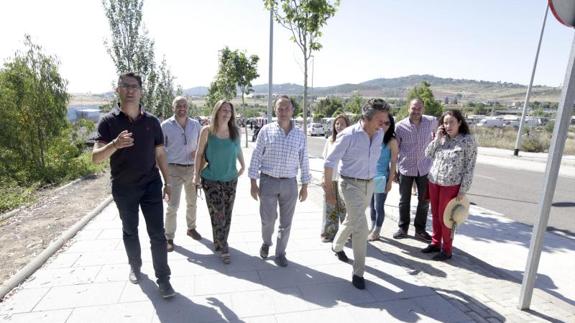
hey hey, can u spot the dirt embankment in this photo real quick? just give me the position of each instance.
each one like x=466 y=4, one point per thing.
x=31 y=229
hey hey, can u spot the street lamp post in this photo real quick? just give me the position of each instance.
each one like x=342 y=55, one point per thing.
x=270 y=80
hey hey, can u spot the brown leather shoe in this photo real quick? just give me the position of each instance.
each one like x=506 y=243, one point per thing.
x=194 y=234
x=170 y=245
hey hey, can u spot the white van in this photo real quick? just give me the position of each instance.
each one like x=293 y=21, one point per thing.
x=491 y=122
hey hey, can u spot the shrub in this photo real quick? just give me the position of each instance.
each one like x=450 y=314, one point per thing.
x=536 y=144
x=12 y=195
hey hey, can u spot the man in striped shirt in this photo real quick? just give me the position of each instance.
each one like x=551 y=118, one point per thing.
x=413 y=135
x=280 y=150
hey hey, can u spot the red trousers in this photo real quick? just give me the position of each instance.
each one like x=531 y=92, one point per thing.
x=439 y=196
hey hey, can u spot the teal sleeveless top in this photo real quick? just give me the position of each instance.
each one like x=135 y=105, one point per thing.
x=221 y=155
x=383 y=161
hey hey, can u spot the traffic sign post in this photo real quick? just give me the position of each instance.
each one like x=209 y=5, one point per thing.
x=564 y=11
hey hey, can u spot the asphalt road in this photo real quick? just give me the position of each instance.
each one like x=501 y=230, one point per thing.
x=511 y=192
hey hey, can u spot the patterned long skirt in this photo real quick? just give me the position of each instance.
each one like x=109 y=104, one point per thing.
x=333 y=215
x=220 y=198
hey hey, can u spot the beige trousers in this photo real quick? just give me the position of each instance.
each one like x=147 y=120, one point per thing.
x=357 y=195
x=181 y=177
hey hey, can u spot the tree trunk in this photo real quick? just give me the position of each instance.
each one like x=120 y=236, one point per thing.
x=245 y=120
x=305 y=59
x=41 y=160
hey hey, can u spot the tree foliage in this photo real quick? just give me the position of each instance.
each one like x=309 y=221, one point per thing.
x=34 y=101
x=132 y=50
x=236 y=71
x=423 y=92
x=164 y=92
x=304 y=19
x=354 y=103
x=223 y=86
x=37 y=144
x=328 y=106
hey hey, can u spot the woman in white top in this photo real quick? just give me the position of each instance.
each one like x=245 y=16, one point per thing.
x=333 y=215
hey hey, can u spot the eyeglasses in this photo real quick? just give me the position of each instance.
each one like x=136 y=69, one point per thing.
x=387 y=123
x=129 y=86
x=185 y=139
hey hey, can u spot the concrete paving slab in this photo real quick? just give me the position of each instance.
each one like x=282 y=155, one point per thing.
x=65 y=297
x=46 y=316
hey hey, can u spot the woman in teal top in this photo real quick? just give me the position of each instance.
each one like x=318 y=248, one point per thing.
x=215 y=165
x=387 y=161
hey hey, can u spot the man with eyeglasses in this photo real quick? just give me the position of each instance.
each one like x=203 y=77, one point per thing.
x=181 y=135
x=358 y=147
x=132 y=139
x=413 y=135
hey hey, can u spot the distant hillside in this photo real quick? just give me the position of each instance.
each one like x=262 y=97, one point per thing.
x=398 y=87
x=196 y=91
x=467 y=90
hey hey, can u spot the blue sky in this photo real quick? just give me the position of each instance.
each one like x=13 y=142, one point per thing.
x=492 y=40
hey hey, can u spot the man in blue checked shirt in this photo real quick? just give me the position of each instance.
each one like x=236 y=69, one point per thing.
x=280 y=150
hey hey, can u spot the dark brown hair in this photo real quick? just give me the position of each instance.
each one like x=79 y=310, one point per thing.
x=133 y=75
x=463 y=127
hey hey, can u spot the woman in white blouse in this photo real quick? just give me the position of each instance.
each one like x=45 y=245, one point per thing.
x=454 y=153
x=333 y=215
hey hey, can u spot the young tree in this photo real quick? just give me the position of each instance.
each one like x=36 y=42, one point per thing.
x=132 y=50
x=304 y=18
x=224 y=84
x=34 y=105
x=164 y=92
x=245 y=70
x=236 y=71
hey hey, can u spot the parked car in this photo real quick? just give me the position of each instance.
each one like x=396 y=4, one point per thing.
x=315 y=129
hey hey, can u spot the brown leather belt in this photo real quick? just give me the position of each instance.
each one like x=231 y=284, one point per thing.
x=355 y=179
x=276 y=177
x=181 y=165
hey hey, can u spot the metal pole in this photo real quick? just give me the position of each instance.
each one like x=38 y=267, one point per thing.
x=528 y=94
x=562 y=120
x=270 y=80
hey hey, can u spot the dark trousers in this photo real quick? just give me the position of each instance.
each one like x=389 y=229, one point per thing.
x=129 y=198
x=405 y=184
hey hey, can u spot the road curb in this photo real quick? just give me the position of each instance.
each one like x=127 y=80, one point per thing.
x=40 y=259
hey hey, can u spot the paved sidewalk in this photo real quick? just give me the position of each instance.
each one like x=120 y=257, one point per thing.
x=87 y=282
